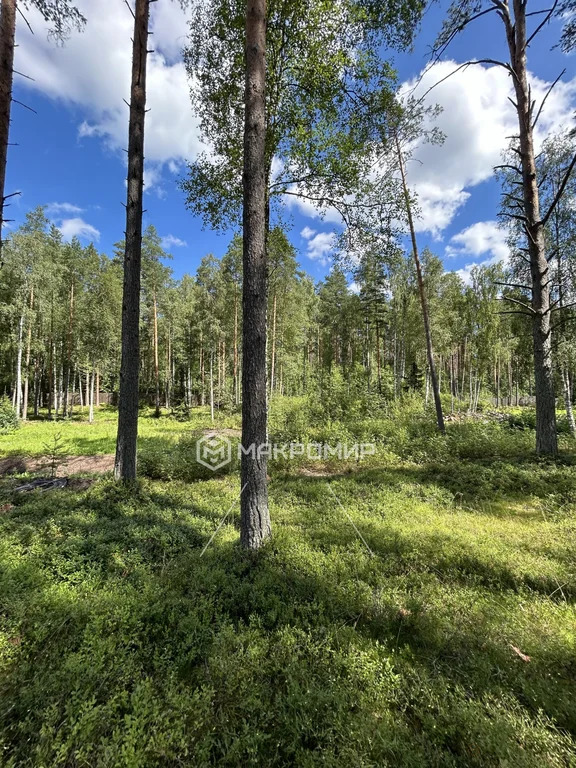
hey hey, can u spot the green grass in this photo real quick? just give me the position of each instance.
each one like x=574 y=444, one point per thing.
x=83 y=439
x=122 y=644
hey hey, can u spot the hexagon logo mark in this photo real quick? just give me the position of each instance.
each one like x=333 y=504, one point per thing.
x=213 y=451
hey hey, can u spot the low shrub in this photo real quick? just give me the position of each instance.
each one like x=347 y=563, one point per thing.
x=8 y=417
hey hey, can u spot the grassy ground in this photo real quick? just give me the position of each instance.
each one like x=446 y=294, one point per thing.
x=416 y=611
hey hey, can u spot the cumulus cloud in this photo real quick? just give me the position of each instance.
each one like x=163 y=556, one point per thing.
x=55 y=209
x=92 y=71
x=476 y=119
x=483 y=239
x=77 y=227
x=320 y=244
x=171 y=241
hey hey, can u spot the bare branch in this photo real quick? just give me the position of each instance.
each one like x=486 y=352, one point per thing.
x=24 y=105
x=510 y=167
x=25 y=20
x=542 y=24
x=548 y=92
x=565 y=306
x=560 y=191
x=517 y=301
x=513 y=285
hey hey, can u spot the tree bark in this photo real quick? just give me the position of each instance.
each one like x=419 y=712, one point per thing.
x=546 y=436
x=255 y=517
x=7 y=37
x=423 y=300
x=126 y=444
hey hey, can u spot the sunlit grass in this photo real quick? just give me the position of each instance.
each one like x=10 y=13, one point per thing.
x=417 y=611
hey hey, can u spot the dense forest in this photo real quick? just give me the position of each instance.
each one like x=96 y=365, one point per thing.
x=254 y=515
x=61 y=326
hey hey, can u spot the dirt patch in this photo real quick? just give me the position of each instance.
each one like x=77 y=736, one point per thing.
x=69 y=465
x=225 y=432
x=319 y=472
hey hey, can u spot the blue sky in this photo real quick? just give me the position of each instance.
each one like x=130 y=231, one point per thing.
x=69 y=154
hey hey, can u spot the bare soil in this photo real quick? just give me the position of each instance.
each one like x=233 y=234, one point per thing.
x=68 y=465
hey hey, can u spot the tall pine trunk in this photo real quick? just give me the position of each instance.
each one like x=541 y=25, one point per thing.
x=546 y=437
x=126 y=444
x=7 y=36
x=423 y=300
x=255 y=516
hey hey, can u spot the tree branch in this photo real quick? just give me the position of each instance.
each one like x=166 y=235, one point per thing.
x=548 y=92
x=517 y=301
x=560 y=191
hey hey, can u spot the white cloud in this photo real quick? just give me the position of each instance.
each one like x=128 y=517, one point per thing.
x=485 y=238
x=171 y=241
x=92 y=71
x=476 y=119
x=308 y=233
x=77 y=227
x=54 y=209
x=354 y=288
x=320 y=247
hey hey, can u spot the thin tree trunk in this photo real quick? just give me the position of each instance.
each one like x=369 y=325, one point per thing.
x=452 y=382
x=211 y=387
x=27 y=361
x=156 y=363
x=378 y=359
x=126 y=444
x=568 y=402
x=273 y=351
x=91 y=396
x=69 y=337
x=18 y=388
x=97 y=388
x=202 y=372
x=7 y=37
x=423 y=301
x=36 y=388
x=255 y=516
x=235 y=360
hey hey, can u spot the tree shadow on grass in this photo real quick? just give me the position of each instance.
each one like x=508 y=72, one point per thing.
x=122 y=638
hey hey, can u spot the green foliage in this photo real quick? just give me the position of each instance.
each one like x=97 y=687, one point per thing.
x=169 y=460
x=54 y=451
x=8 y=416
